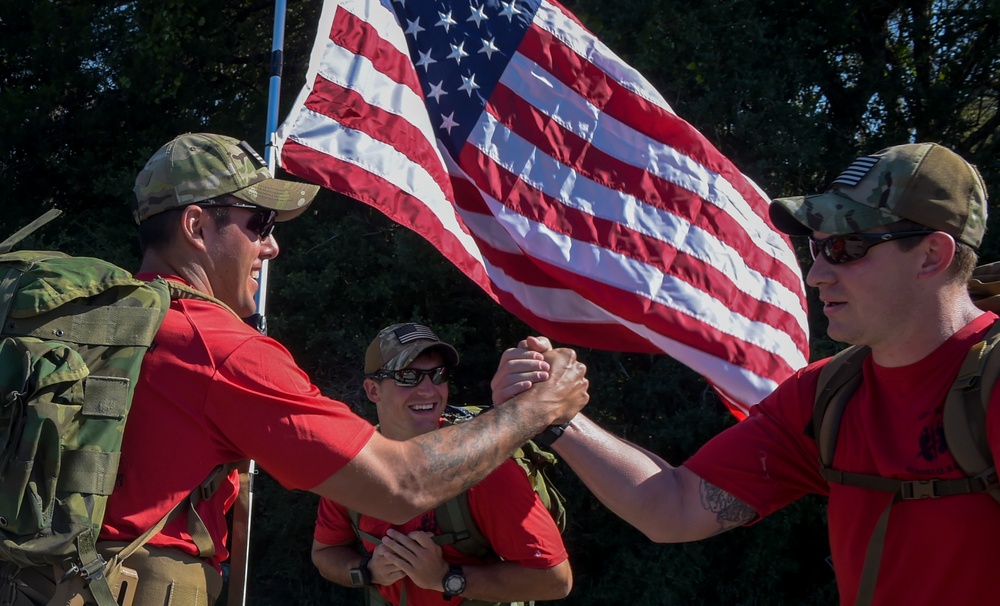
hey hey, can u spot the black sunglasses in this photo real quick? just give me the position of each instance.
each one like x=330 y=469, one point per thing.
x=411 y=377
x=847 y=248
x=261 y=222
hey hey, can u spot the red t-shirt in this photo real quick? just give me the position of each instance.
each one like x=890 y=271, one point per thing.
x=505 y=510
x=212 y=390
x=937 y=551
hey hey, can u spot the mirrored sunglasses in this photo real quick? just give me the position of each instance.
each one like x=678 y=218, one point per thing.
x=848 y=248
x=411 y=377
x=260 y=223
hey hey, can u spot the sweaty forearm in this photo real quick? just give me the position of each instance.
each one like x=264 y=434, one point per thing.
x=667 y=504
x=396 y=481
x=453 y=459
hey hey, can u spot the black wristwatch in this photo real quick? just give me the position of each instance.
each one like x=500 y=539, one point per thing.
x=361 y=576
x=454 y=582
x=550 y=434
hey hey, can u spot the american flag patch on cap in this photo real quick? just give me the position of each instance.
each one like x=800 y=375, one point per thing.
x=414 y=332
x=856 y=171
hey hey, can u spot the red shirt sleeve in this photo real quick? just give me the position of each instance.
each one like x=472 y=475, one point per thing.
x=513 y=519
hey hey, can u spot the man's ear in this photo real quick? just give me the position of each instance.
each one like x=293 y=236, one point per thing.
x=194 y=225
x=371 y=388
x=940 y=250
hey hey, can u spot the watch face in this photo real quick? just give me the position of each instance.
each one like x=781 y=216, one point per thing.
x=454 y=583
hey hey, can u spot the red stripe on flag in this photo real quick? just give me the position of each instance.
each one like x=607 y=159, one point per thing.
x=609 y=96
x=351 y=110
x=552 y=139
x=669 y=322
x=338 y=175
x=538 y=207
x=359 y=37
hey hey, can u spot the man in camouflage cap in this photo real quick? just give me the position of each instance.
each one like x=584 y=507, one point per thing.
x=921 y=182
x=894 y=242
x=198 y=167
x=396 y=346
x=214 y=391
x=407 y=372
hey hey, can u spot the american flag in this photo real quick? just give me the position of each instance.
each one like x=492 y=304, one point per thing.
x=554 y=176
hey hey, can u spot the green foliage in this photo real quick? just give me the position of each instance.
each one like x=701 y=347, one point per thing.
x=790 y=90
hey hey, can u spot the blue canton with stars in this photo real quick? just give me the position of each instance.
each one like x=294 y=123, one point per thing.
x=460 y=50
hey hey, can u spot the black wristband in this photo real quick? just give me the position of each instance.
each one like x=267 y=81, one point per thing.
x=550 y=435
x=361 y=576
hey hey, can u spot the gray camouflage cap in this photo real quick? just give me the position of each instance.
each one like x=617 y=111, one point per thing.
x=196 y=167
x=921 y=182
x=397 y=346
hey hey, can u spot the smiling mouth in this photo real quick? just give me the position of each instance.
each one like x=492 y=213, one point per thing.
x=422 y=407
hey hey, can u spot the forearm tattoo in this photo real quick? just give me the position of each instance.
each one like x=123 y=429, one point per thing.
x=468 y=455
x=729 y=511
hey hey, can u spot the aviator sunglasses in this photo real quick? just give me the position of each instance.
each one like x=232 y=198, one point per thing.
x=847 y=248
x=411 y=377
x=261 y=222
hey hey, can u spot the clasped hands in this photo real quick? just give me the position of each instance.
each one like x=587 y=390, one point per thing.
x=415 y=555
x=552 y=377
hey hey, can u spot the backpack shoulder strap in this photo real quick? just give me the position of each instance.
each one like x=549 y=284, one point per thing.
x=838 y=380
x=965 y=411
x=362 y=535
x=28 y=229
x=458 y=529
x=178 y=290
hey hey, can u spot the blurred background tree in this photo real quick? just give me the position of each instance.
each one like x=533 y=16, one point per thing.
x=791 y=91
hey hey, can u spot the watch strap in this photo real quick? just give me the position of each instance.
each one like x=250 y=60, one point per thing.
x=550 y=434
x=361 y=576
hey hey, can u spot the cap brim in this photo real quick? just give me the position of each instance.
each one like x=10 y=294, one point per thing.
x=410 y=353
x=830 y=213
x=289 y=198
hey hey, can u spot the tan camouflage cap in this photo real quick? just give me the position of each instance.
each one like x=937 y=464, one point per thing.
x=196 y=167
x=397 y=346
x=921 y=182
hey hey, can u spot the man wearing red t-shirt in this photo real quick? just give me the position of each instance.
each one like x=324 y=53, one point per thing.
x=214 y=391
x=407 y=369
x=894 y=240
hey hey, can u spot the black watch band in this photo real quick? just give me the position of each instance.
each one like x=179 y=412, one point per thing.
x=453 y=582
x=550 y=435
x=361 y=576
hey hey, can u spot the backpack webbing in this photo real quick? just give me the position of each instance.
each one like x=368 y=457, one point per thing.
x=964 y=420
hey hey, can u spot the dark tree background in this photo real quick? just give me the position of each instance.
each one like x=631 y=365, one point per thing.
x=790 y=90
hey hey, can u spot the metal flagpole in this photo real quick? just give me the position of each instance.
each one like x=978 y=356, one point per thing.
x=240 y=557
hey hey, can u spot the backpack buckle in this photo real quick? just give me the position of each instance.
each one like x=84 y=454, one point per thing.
x=919 y=489
x=93 y=569
x=985 y=480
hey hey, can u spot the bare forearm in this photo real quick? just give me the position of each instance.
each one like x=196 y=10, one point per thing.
x=334 y=561
x=668 y=504
x=510 y=582
x=396 y=481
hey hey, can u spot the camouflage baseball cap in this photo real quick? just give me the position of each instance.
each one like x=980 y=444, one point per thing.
x=397 y=346
x=196 y=167
x=921 y=182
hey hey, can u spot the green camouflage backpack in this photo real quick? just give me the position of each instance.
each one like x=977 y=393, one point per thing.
x=454 y=518
x=964 y=424
x=73 y=335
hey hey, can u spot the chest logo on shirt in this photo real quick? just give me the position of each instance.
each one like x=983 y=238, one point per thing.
x=932 y=442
